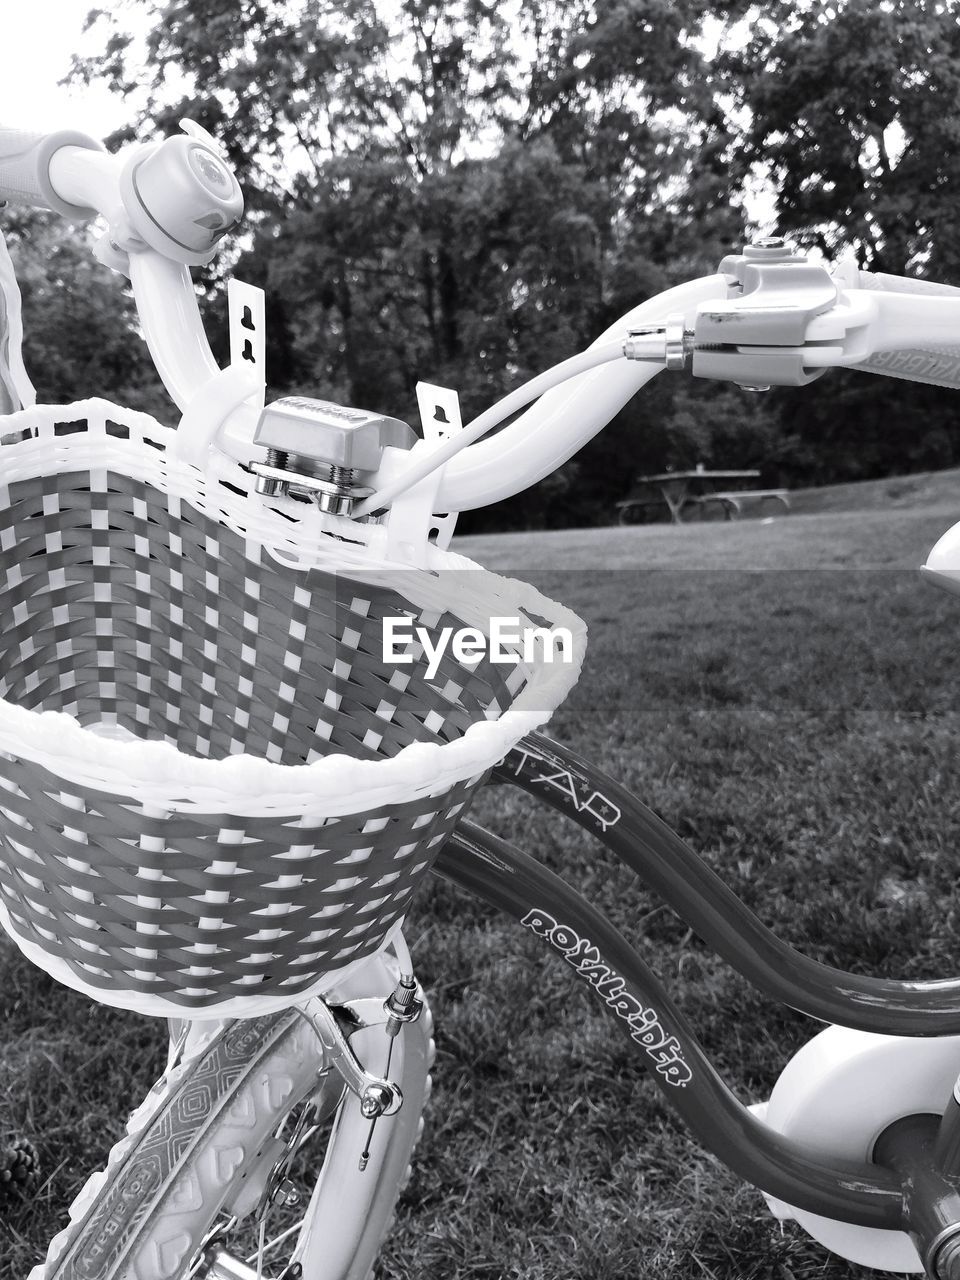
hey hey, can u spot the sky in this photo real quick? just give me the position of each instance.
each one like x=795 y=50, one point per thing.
x=38 y=41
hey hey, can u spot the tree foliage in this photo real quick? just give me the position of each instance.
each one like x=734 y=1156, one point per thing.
x=79 y=325
x=855 y=109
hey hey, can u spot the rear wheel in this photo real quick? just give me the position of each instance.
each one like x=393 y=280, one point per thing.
x=200 y=1148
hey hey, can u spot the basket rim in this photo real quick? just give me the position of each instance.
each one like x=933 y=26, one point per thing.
x=156 y=771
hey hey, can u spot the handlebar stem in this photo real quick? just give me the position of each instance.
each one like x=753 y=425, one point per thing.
x=167 y=305
x=163 y=290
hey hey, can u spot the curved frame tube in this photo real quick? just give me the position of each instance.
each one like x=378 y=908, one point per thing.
x=512 y=881
x=568 y=783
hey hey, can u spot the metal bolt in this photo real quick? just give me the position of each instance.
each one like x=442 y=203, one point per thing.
x=267 y=485
x=402 y=1005
x=286 y=1193
x=770 y=242
x=340 y=498
x=746 y=386
x=374 y=1102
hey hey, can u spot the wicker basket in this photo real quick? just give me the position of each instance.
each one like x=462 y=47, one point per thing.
x=215 y=791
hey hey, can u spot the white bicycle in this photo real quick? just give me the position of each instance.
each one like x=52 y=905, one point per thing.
x=248 y=695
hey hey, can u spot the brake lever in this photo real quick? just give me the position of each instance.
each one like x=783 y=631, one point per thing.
x=787 y=320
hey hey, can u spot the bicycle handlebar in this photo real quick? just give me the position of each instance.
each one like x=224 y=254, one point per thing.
x=934 y=364
x=600 y=354
x=768 y=316
x=166 y=205
x=25 y=160
x=564 y=419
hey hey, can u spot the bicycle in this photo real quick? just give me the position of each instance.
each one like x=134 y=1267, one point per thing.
x=249 y=693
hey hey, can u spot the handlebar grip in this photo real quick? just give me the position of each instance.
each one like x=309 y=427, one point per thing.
x=903 y=284
x=937 y=366
x=25 y=169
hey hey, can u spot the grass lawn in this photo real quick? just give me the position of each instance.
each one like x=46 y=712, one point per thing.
x=875 y=524
x=799 y=726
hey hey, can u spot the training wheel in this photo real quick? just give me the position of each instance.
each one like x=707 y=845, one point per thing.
x=837 y=1095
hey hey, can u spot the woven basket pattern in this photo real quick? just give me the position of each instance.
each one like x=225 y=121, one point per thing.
x=123 y=605
x=197 y=909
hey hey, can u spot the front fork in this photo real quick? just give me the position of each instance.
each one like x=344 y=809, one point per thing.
x=365 y=1161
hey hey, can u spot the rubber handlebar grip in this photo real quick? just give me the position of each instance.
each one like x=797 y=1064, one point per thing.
x=903 y=284
x=25 y=169
x=937 y=366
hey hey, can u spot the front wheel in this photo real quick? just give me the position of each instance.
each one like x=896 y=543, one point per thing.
x=201 y=1146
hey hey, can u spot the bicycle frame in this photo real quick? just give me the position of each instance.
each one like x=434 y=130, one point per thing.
x=517 y=884
x=493 y=870
x=665 y=863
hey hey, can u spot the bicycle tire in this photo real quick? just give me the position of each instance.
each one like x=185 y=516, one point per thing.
x=192 y=1143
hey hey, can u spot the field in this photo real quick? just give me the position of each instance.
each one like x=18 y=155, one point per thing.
x=784 y=694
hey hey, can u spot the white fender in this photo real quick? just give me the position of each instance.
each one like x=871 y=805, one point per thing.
x=837 y=1095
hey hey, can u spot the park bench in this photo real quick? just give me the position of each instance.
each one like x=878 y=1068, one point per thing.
x=733 y=501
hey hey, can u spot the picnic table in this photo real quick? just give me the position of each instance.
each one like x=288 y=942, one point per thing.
x=678 y=488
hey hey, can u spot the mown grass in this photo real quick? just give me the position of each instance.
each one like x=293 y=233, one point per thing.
x=800 y=728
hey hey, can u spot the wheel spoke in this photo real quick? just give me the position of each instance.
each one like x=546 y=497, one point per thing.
x=277 y=1240
x=262 y=1237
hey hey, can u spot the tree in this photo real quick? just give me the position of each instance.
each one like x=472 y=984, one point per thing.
x=79 y=321
x=469 y=191
x=853 y=110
